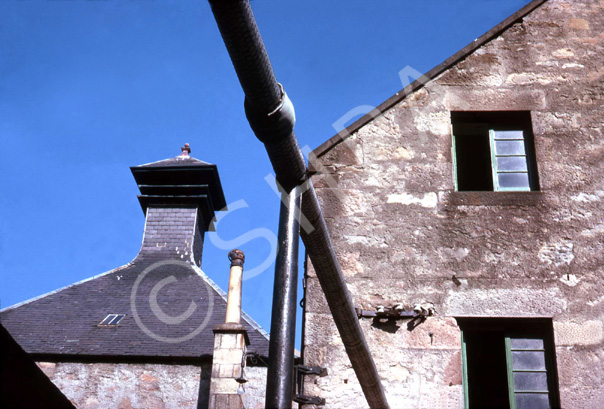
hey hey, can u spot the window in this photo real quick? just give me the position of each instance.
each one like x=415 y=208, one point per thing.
x=494 y=151
x=112 y=320
x=508 y=363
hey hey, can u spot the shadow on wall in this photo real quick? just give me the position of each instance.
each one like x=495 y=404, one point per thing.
x=391 y=326
x=204 y=386
x=23 y=384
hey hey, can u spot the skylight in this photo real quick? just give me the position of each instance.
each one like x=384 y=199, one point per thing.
x=112 y=320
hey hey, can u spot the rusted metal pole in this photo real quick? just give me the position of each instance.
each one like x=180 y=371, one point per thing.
x=233 y=312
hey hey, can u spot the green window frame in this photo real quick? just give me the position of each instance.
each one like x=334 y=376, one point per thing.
x=527 y=372
x=454 y=159
x=493 y=151
x=509 y=162
x=464 y=372
x=530 y=366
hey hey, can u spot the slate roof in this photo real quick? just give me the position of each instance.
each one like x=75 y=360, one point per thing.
x=426 y=78
x=155 y=287
x=66 y=322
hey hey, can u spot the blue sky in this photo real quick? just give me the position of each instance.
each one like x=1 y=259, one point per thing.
x=89 y=88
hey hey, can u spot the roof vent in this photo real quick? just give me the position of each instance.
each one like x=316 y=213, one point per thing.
x=112 y=320
x=186 y=150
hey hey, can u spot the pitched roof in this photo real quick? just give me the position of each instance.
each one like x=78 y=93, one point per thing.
x=430 y=75
x=170 y=306
x=66 y=322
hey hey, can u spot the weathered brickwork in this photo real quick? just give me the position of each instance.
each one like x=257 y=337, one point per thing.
x=402 y=233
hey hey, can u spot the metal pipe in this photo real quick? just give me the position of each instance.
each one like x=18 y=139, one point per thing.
x=272 y=118
x=233 y=310
x=280 y=374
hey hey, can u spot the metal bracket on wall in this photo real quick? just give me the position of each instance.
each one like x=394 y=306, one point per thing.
x=311 y=370
x=300 y=371
x=309 y=400
x=388 y=313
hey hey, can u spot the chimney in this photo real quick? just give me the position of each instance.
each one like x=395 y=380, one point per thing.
x=179 y=197
x=233 y=312
x=230 y=345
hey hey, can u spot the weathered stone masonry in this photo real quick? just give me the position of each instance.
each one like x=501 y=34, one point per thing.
x=401 y=231
x=127 y=386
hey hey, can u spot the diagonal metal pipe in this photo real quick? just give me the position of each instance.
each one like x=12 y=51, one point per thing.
x=272 y=118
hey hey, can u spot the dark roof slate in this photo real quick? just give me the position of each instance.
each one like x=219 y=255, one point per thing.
x=181 y=176
x=66 y=322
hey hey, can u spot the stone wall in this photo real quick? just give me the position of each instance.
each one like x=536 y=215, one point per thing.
x=130 y=386
x=255 y=388
x=403 y=234
x=144 y=386
x=229 y=351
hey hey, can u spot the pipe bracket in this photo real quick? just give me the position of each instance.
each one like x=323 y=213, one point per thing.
x=309 y=400
x=299 y=372
x=274 y=125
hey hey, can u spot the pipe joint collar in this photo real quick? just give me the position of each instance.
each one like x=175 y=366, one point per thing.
x=274 y=125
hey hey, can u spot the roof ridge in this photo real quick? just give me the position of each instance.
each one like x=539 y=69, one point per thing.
x=416 y=85
x=175 y=159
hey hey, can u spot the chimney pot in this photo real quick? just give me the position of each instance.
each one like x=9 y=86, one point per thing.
x=236 y=257
x=233 y=313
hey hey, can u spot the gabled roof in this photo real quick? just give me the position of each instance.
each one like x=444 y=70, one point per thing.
x=426 y=78
x=65 y=323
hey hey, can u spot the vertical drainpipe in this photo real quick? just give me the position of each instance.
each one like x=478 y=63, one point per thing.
x=280 y=374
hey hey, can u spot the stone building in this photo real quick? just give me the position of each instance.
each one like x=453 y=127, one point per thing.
x=475 y=196
x=466 y=212
x=143 y=335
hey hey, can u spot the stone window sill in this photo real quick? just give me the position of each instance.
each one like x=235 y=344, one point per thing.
x=495 y=198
